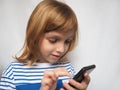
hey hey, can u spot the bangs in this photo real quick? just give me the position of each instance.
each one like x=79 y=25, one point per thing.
x=63 y=25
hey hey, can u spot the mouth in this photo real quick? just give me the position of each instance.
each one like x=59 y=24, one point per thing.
x=56 y=56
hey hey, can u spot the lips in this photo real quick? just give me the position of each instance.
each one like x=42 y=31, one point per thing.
x=57 y=56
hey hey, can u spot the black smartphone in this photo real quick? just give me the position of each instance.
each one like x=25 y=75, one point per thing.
x=80 y=75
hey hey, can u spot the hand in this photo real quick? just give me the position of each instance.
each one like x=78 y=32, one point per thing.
x=50 y=78
x=78 y=86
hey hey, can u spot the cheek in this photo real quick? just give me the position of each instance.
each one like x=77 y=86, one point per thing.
x=66 y=49
x=45 y=47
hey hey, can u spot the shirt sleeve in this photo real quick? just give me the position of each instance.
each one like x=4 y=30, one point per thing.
x=7 y=79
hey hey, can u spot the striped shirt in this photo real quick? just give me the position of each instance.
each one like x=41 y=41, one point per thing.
x=17 y=76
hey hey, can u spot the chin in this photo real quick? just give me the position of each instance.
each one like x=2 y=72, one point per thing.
x=53 y=61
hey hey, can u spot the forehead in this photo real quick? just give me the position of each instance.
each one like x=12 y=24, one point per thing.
x=69 y=34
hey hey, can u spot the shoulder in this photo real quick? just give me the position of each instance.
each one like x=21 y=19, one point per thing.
x=14 y=63
x=11 y=66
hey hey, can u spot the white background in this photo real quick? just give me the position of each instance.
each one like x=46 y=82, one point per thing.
x=99 y=37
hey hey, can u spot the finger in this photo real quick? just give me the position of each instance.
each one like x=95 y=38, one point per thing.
x=50 y=74
x=47 y=81
x=87 y=78
x=80 y=86
x=62 y=72
x=67 y=86
x=47 y=84
x=62 y=89
x=85 y=82
x=45 y=87
x=77 y=85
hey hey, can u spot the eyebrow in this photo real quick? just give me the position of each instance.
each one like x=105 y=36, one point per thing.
x=50 y=37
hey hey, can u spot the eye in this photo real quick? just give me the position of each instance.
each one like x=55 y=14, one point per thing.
x=68 y=41
x=53 y=40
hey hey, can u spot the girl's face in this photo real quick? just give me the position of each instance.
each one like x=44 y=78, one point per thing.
x=54 y=45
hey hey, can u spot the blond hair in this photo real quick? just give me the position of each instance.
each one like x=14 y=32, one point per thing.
x=49 y=15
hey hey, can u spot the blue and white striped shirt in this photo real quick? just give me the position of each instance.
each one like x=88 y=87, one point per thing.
x=17 y=76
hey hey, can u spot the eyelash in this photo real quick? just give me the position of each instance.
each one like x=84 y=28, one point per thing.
x=68 y=41
x=55 y=40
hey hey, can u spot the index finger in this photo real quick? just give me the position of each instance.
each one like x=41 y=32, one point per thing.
x=62 y=72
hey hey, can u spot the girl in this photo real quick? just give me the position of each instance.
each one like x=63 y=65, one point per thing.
x=51 y=33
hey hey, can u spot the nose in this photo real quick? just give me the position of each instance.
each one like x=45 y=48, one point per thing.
x=61 y=48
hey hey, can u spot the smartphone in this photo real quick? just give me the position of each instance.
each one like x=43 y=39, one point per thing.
x=80 y=75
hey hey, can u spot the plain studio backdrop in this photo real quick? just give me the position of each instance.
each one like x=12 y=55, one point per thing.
x=99 y=37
